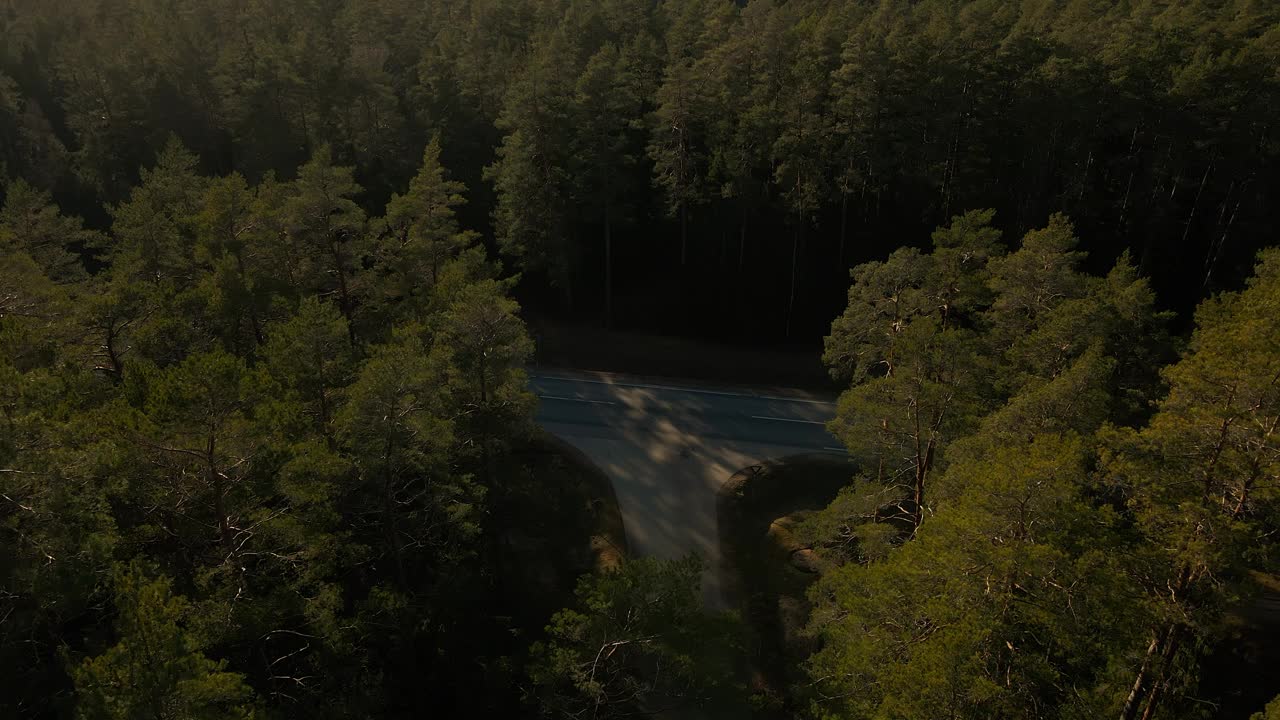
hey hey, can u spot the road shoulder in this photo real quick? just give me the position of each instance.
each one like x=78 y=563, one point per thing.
x=765 y=572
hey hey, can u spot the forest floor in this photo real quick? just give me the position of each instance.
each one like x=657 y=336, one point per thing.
x=563 y=345
x=766 y=570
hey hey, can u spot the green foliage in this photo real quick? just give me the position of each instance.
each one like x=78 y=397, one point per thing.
x=31 y=223
x=31 y=309
x=531 y=173
x=857 y=124
x=156 y=669
x=154 y=230
x=201 y=405
x=393 y=425
x=1271 y=712
x=919 y=370
x=196 y=426
x=58 y=532
x=303 y=399
x=1002 y=598
x=1200 y=478
x=239 y=264
x=488 y=348
x=328 y=228
x=983 y=377
x=424 y=235
x=311 y=357
x=637 y=640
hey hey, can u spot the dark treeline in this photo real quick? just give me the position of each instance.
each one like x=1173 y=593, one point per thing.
x=728 y=161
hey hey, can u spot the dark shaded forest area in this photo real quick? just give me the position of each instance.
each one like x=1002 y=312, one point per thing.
x=728 y=162
x=267 y=443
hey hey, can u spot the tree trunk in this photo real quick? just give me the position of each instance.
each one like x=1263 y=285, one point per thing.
x=344 y=295
x=844 y=224
x=795 y=250
x=742 y=238
x=389 y=524
x=684 y=233
x=724 y=248
x=486 y=454
x=1164 y=645
x=1166 y=659
x=389 y=510
x=1130 y=709
x=253 y=309
x=117 y=367
x=922 y=472
x=219 y=495
x=325 y=419
x=608 y=268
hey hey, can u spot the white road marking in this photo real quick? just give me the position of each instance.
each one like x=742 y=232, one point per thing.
x=836 y=449
x=571 y=399
x=791 y=420
x=682 y=389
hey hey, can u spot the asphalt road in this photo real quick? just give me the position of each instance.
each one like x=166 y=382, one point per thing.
x=669 y=447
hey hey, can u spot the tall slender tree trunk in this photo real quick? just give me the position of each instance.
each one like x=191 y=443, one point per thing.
x=922 y=474
x=1162 y=680
x=844 y=224
x=608 y=268
x=684 y=233
x=566 y=280
x=742 y=238
x=113 y=357
x=1131 y=702
x=1222 y=241
x=498 y=540
x=1162 y=647
x=724 y=281
x=253 y=306
x=344 y=294
x=724 y=244
x=485 y=449
x=795 y=252
x=219 y=489
x=325 y=418
x=389 y=514
x=1145 y=693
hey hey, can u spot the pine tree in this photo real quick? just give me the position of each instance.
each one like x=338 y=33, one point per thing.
x=1201 y=479
x=312 y=359
x=423 y=233
x=407 y=501
x=638 y=638
x=1005 y=601
x=916 y=364
x=328 y=228
x=531 y=175
x=606 y=105
x=155 y=228
x=237 y=277
x=488 y=347
x=196 y=426
x=156 y=669
x=33 y=224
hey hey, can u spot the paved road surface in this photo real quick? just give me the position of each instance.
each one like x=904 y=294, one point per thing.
x=668 y=448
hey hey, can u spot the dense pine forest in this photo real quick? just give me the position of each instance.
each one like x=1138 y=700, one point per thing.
x=700 y=167
x=267 y=445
